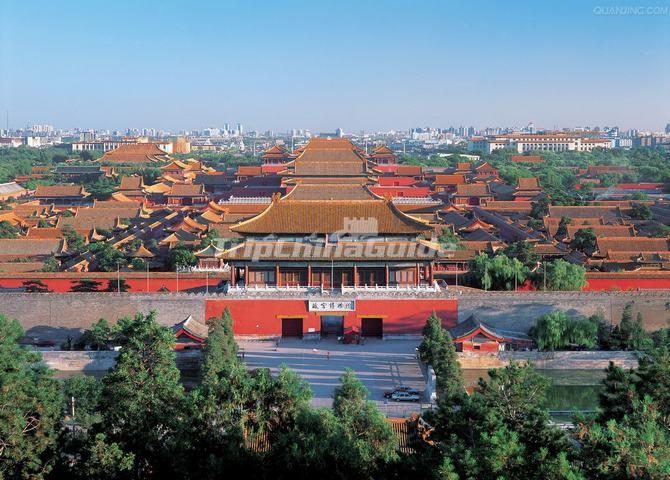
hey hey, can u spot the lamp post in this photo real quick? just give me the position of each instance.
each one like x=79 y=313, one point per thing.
x=147 y=265
x=118 y=276
x=176 y=269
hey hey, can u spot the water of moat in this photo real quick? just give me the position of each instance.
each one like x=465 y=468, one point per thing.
x=570 y=390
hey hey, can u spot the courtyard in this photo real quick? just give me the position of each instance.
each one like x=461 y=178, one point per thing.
x=379 y=364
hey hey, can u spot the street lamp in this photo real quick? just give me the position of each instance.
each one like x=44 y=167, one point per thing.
x=118 y=276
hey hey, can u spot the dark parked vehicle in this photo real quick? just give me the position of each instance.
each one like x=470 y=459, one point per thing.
x=401 y=388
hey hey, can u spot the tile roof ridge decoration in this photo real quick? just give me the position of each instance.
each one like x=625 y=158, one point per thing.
x=209 y=251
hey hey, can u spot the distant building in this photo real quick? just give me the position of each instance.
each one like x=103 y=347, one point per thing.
x=11 y=190
x=10 y=142
x=555 y=142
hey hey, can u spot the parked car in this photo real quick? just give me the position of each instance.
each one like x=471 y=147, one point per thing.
x=401 y=388
x=405 y=397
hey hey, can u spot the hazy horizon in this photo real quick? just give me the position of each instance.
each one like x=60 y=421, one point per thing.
x=296 y=64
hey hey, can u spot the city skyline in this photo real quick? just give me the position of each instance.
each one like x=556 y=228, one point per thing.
x=481 y=64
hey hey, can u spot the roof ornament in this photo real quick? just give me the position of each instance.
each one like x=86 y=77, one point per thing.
x=276 y=196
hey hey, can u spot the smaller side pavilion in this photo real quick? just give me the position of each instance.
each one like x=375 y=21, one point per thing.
x=473 y=335
x=190 y=334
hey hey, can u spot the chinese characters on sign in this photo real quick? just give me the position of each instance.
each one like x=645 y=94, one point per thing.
x=346 y=306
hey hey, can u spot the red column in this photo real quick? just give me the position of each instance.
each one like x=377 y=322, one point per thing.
x=417 y=274
x=232 y=275
x=355 y=275
x=246 y=275
x=309 y=274
x=387 y=274
x=277 y=281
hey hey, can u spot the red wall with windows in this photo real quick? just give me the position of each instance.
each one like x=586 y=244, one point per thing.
x=400 y=317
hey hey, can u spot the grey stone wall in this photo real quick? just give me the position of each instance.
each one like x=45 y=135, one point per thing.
x=56 y=316
x=518 y=310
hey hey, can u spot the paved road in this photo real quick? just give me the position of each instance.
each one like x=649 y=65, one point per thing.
x=380 y=364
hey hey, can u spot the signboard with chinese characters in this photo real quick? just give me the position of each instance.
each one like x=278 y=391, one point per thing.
x=329 y=306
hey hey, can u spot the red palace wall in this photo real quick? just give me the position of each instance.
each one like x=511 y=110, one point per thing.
x=399 y=317
x=627 y=284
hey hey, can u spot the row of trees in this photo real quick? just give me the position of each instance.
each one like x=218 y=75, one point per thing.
x=139 y=422
x=556 y=331
x=512 y=267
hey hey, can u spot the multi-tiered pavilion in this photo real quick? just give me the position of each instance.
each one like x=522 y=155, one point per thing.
x=330 y=235
x=330 y=230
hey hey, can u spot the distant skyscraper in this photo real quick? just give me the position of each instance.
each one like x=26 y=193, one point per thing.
x=667 y=128
x=226 y=128
x=239 y=129
x=339 y=133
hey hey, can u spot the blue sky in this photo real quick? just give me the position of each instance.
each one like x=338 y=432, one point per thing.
x=354 y=64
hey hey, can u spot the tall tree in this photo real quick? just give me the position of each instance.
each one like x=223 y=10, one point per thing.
x=637 y=446
x=220 y=353
x=617 y=395
x=563 y=276
x=584 y=241
x=30 y=408
x=142 y=400
x=503 y=431
x=7 y=230
x=524 y=252
x=366 y=437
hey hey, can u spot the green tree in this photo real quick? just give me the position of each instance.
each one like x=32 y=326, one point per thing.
x=142 y=400
x=629 y=334
x=83 y=393
x=616 y=397
x=522 y=251
x=549 y=330
x=432 y=336
x=181 y=256
x=98 y=337
x=640 y=212
x=30 y=407
x=584 y=241
x=366 y=437
x=653 y=379
x=565 y=276
x=503 y=431
x=540 y=208
x=220 y=353
x=108 y=258
x=76 y=244
x=449 y=240
x=51 y=264
x=437 y=349
x=138 y=264
x=7 y=230
x=637 y=446
x=496 y=273
x=104 y=461
x=563 y=226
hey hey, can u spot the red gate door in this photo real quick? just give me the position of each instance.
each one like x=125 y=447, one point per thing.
x=372 y=327
x=291 y=327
